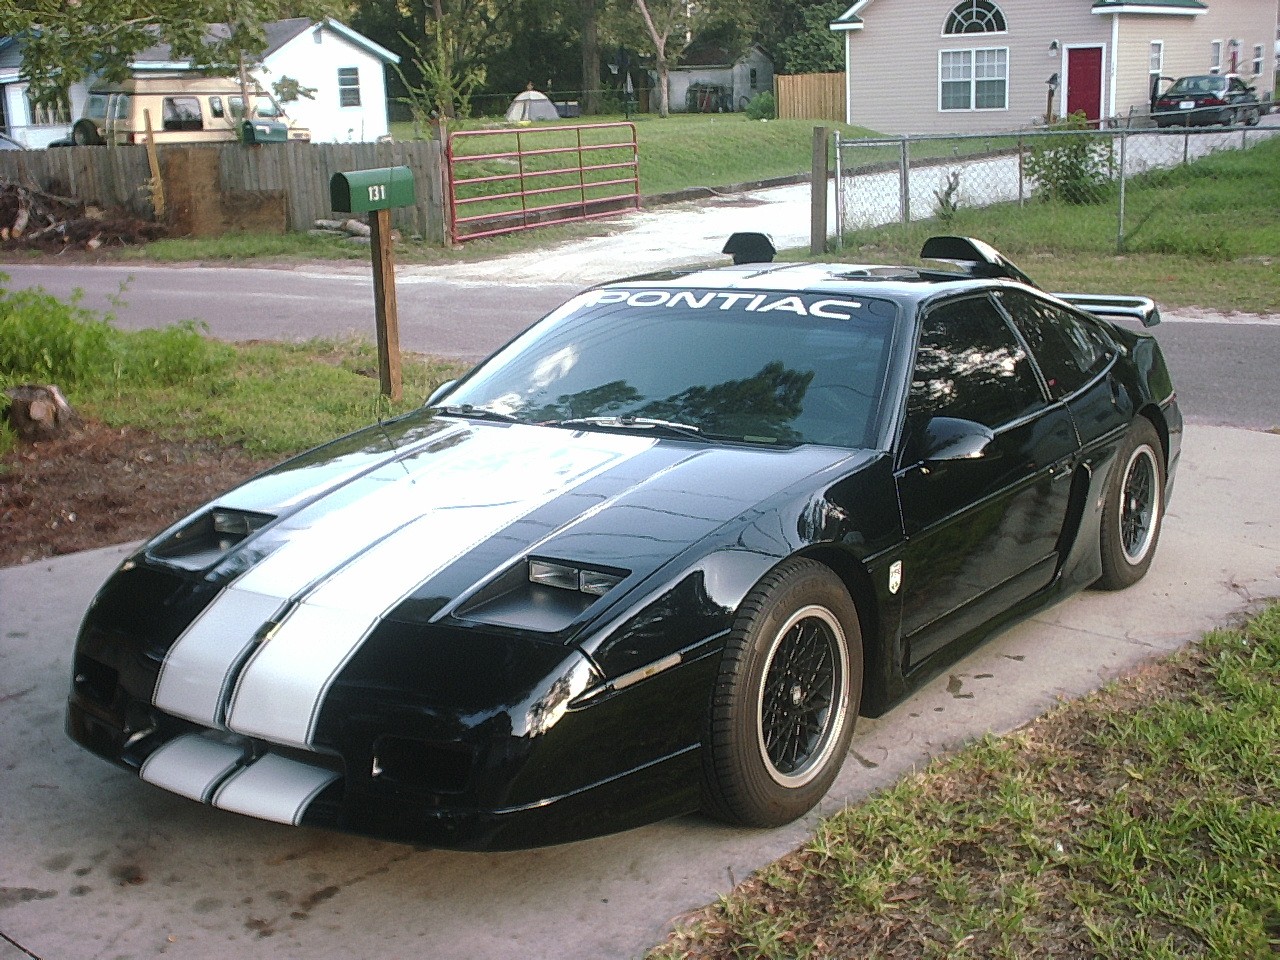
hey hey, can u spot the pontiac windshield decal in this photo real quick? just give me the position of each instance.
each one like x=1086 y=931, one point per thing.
x=827 y=309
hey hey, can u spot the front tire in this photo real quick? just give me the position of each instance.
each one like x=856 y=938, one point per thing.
x=85 y=134
x=785 y=700
x=1134 y=508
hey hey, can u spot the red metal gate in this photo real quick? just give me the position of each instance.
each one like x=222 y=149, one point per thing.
x=501 y=181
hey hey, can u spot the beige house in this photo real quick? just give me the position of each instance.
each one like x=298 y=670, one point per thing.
x=961 y=66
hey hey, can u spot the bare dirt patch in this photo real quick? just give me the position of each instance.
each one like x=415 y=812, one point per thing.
x=106 y=486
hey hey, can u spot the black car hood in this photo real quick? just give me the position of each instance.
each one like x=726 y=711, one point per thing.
x=446 y=502
x=387 y=522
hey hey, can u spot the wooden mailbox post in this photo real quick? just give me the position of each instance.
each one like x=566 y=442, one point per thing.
x=375 y=192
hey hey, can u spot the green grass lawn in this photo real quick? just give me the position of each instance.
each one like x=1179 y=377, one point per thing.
x=700 y=149
x=1140 y=822
x=1202 y=235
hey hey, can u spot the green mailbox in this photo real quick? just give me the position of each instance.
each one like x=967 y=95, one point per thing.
x=264 y=131
x=362 y=191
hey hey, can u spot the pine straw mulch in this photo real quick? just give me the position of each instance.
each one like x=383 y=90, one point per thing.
x=106 y=486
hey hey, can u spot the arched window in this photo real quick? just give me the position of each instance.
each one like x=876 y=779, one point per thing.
x=975 y=16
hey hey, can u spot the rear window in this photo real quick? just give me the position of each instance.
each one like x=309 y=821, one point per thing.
x=1199 y=85
x=95 y=108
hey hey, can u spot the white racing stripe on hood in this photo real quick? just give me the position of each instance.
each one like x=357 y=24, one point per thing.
x=199 y=668
x=352 y=567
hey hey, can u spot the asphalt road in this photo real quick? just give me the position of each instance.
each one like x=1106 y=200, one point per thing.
x=1224 y=366
x=451 y=318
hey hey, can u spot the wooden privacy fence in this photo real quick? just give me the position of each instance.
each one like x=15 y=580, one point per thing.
x=119 y=176
x=810 y=96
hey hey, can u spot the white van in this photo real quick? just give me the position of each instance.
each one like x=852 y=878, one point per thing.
x=183 y=109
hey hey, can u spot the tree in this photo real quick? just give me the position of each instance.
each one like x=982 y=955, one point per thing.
x=590 y=58
x=668 y=27
x=805 y=43
x=445 y=44
x=665 y=17
x=65 y=42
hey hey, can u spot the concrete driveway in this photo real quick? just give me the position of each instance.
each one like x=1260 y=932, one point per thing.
x=94 y=863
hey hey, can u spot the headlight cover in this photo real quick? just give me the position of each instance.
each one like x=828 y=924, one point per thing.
x=208 y=537
x=540 y=594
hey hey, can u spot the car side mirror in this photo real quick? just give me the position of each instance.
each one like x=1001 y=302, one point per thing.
x=950 y=438
x=439 y=392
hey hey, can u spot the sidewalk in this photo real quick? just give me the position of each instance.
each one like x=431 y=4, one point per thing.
x=95 y=863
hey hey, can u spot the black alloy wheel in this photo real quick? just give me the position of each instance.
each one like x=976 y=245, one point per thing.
x=1134 y=508
x=786 y=698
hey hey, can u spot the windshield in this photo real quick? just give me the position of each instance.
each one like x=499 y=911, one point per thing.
x=765 y=368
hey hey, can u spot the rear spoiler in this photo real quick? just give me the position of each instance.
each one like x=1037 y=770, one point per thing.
x=1103 y=305
x=980 y=259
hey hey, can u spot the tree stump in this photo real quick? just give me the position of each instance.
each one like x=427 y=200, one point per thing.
x=41 y=413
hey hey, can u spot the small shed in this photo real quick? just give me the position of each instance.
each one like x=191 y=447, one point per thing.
x=710 y=80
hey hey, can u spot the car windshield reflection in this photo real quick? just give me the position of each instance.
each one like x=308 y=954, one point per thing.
x=780 y=369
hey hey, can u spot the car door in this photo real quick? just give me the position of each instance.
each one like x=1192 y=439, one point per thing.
x=983 y=532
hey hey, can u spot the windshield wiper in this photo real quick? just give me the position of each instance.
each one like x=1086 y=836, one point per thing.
x=685 y=431
x=475 y=413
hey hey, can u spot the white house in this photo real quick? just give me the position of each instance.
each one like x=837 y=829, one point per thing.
x=961 y=66
x=718 y=82
x=344 y=73
x=29 y=124
x=345 y=70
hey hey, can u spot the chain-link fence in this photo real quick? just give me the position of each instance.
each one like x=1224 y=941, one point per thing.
x=912 y=178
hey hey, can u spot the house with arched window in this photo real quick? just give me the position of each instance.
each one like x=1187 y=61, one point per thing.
x=962 y=66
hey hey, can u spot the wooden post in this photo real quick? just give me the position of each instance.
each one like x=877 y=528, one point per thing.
x=386 y=318
x=157 y=184
x=818 y=193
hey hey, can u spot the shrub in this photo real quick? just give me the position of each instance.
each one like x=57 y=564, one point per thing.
x=44 y=340
x=1072 y=168
x=762 y=107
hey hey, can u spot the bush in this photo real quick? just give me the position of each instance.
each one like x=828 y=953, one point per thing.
x=43 y=340
x=1073 y=168
x=762 y=107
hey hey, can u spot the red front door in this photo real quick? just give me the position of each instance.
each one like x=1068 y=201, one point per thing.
x=1084 y=82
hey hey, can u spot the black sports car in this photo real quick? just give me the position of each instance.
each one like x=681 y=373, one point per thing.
x=656 y=554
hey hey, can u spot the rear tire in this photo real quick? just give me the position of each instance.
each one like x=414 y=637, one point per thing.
x=1134 y=508
x=785 y=700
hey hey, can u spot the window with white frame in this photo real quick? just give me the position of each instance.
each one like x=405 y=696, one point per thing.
x=973 y=79
x=50 y=112
x=975 y=16
x=348 y=86
x=1259 y=57
x=1215 y=56
x=1155 y=67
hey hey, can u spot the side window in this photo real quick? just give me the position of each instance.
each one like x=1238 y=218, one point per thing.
x=215 y=108
x=970 y=365
x=1070 y=349
x=348 y=86
x=182 y=113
